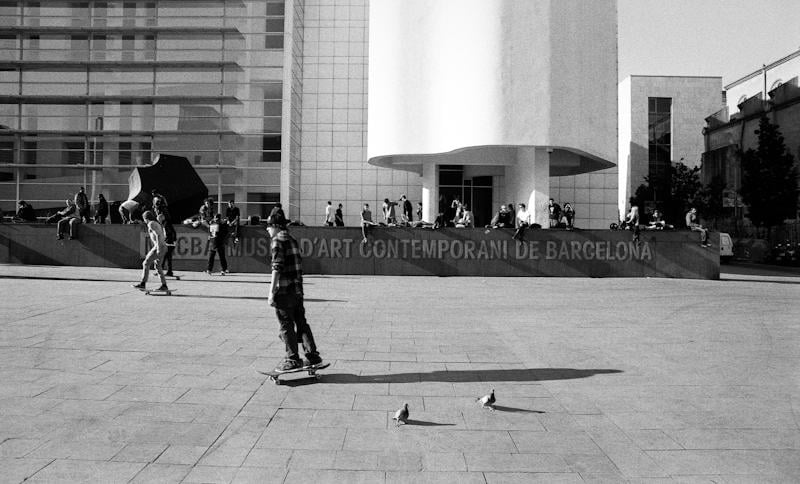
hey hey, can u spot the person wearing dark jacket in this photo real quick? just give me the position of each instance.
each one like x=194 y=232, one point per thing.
x=170 y=236
x=101 y=212
x=82 y=204
x=218 y=235
x=25 y=213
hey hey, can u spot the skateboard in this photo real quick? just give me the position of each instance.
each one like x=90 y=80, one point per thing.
x=274 y=376
x=156 y=292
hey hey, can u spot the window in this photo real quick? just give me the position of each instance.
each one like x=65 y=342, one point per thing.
x=274 y=25
x=74 y=152
x=659 y=127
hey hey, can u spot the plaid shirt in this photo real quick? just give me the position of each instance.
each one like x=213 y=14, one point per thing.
x=286 y=259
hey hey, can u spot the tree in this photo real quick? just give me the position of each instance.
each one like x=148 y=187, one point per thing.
x=711 y=196
x=769 y=178
x=674 y=193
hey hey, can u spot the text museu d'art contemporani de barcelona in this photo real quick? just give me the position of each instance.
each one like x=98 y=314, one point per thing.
x=194 y=246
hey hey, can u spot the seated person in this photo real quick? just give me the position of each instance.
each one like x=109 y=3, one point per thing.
x=25 y=213
x=502 y=219
x=70 y=218
x=70 y=208
x=466 y=220
x=657 y=222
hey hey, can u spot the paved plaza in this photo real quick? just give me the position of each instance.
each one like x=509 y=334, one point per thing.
x=597 y=380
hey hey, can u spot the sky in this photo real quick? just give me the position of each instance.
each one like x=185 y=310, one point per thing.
x=728 y=38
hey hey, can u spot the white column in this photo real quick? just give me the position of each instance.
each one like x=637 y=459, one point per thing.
x=430 y=191
x=529 y=181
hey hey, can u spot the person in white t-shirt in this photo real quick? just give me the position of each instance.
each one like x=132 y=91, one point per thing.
x=523 y=222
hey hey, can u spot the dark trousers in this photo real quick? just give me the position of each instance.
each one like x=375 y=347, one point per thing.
x=293 y=325
x=520 y=233
x=223 y=262
x=168 y=258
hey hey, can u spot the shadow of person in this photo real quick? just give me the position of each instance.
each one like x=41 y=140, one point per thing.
x=501 y=408
x=461 y=376
x=513 y=375
x=422 y=423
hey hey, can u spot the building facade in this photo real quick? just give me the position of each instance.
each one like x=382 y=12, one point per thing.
x=305 y=101
x=771 y=91
x=660 y=123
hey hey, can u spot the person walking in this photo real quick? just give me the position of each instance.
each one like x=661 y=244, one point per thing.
x=366 y=223
x=170 y=236
x=154 y=257
x=408 y=209
x=339 y=217
x=328 y=221
x=286 y=296
x=101 y=212
x=218 y=235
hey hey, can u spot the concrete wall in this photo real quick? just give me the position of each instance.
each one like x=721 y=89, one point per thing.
x=393 y=251
x=693 y=99
x=333 y=156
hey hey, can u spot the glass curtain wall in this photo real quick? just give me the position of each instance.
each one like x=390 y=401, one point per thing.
x=659 y=120
x=89 y=90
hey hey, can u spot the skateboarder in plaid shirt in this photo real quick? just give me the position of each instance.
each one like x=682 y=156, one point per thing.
x=286 y=295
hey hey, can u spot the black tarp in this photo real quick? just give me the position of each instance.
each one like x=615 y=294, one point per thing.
x=176 y=179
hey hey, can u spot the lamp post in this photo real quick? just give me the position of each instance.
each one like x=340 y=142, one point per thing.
x=98 y=127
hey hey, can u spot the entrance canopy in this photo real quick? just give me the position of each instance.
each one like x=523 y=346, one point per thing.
x=563 y=161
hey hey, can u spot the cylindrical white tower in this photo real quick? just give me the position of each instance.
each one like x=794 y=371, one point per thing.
x=527 y=84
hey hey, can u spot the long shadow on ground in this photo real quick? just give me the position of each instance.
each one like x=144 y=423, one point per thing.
x=524 y=375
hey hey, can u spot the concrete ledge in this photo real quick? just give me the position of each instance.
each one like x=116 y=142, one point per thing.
x=391 y=251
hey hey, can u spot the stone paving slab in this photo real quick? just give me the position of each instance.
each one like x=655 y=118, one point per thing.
x=598 y=380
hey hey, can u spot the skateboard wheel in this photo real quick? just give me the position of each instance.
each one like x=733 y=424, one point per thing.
x=317 y=376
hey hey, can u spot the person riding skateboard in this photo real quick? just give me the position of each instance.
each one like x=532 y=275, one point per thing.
x=156 y=254
x=286 y=295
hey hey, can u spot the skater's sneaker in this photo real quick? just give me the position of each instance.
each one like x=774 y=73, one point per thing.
x=208 y=272
x=162 y=287
x=289 y=365
x=223 y=273
x=138 y=286
x=59 y=237
x=313 y=359
x=169 y=274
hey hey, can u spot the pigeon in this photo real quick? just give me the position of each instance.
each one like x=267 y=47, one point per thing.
x=487 y=400
x=401 y=415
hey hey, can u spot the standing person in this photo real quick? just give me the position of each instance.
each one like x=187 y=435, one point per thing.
x=389 y=215
x=366 y=223
x=419 y=211
x=218 y=234
x=693 y=225
x=170 y=236
x=339 y=217
x=467 y=220
x=632 y=219
x=82 y=203
x=408 y=209
x=286 y=295
x=553 y=213
x=156 y=253
x=101 y=212
x=233 y=216
x=523 y=222
x=569 y=214
x=328 y=215
x=513 y=212
x=457 y=209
